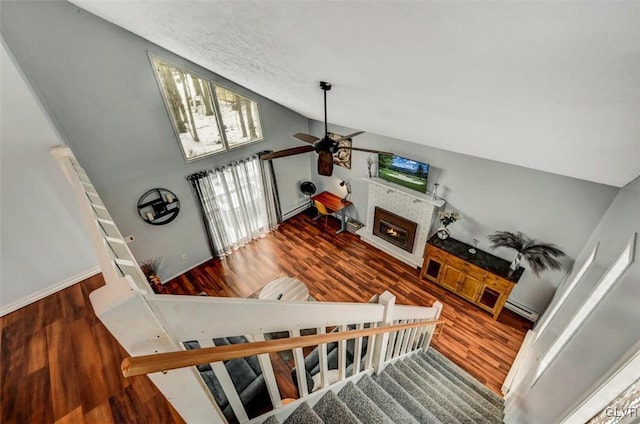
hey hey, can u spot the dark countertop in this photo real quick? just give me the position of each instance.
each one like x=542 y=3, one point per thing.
x=481 y=258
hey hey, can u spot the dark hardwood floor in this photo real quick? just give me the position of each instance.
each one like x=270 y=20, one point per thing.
x=60 y=365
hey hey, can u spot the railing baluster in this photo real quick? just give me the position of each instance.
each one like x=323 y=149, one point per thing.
x=322 y=358
x=268 y=374
x=371 y=343
x=427 y=340
x=392 y=342
x=414 y=336
x=227 y=385
x=357 y=351
x=301 y=372
x=407 y=337
x=342 y=356
x=397 y=349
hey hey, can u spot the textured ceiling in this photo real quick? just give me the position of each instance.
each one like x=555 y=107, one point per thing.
x=553 y=86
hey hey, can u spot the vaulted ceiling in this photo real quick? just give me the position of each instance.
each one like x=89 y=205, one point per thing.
x=548 y=85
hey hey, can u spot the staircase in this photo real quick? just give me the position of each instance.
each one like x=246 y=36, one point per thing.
x=420 y=388
x=412 y=383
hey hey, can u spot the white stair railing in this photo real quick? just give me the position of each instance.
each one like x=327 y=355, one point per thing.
x=145 y=323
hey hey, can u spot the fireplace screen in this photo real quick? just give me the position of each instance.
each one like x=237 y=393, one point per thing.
x=395 y=229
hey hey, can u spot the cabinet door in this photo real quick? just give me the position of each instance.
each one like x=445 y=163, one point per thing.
x=489 y=299
x=470 y=288
x=431 y=269
x=451 y=277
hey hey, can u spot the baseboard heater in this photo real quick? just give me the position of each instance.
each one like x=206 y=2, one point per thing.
x=295 y=211
x=523 y=311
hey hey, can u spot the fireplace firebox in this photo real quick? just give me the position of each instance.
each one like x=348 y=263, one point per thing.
x=395 y=229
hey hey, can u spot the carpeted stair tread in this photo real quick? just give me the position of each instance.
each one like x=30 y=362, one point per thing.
x=333 y=411
x=424 y=387
x=444 y=411
x=396 y=413
x=361 y=406
x=411 y=405
x=450 y=380
x=441 y=393
x=303 y=415
x=271 y=420
x=464 y=376
x=451 y=375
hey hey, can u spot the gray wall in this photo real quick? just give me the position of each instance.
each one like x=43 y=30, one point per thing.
x=607 y=334
x=96 y=81
x=491 y=196
x=97 y=84
x=43 y=242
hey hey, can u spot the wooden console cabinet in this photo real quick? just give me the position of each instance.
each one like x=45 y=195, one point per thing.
x=481 y=278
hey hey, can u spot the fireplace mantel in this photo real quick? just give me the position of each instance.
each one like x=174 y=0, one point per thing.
x=423 y=197
x=410 y=204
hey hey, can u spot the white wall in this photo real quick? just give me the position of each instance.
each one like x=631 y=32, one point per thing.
x=607 y=334
x=97 y=82
x=491 y=196
x=43 y=241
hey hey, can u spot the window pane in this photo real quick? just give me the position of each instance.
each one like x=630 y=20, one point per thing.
x=190 y=106
x=240 y=117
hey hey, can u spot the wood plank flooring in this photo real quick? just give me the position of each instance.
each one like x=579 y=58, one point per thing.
x=59 y=364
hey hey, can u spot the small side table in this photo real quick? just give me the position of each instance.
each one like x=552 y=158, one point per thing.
x=285 y=288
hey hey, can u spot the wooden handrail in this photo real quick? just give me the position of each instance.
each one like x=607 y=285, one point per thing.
x=158 y=362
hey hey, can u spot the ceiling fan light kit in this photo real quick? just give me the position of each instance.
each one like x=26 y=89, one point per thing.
x=324 y=147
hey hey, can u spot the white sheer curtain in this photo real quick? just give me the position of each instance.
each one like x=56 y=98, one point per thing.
x=235 y=207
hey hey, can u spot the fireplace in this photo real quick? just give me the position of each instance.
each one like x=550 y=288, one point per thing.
x=395 y=229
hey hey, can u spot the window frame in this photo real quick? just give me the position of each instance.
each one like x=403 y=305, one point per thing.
x=221 y=121
x=226 y=147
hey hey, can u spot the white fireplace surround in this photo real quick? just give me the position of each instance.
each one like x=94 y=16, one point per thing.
x=410 y=204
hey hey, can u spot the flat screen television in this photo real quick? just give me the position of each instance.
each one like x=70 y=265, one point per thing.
x=405 y=172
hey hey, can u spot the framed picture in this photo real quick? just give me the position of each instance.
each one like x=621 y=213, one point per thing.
x=343 y=156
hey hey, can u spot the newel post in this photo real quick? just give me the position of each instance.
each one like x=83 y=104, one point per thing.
x=380 y=347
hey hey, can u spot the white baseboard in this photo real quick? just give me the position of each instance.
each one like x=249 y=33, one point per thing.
x=529 y=338
x=166 y=280
x=295 y=211
x=41 y=294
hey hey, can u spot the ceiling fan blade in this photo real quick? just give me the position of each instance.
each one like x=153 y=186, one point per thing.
x=367 y=150
x=325 y=164
x=306 y=138
x=287 y=152
x=347 y=137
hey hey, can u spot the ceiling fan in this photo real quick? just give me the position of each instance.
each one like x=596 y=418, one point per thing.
x=324 y=147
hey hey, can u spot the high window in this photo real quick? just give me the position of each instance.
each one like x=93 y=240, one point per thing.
x=207 y=118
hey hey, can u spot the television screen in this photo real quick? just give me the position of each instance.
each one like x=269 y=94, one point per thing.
x=405 y=172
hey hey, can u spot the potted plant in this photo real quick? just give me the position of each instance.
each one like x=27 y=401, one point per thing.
x=446 y=218
x=540 y=256
x=151 y=268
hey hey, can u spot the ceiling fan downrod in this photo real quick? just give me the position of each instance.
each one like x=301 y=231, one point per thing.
x=325 y=86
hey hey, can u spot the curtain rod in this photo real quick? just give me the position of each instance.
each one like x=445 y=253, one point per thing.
x=203 y=173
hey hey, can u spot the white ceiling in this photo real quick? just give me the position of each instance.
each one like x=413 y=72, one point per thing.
x=553 y=86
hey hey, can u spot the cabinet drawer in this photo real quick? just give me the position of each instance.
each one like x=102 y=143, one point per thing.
x=436 y=253
x=496 y=283
x=475 y=272
x=456 y=262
